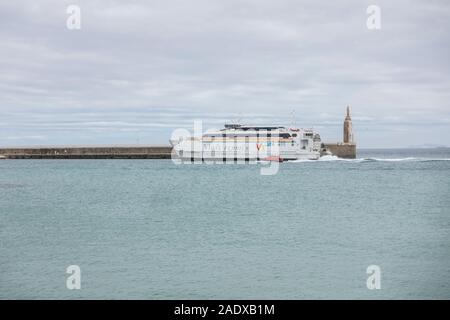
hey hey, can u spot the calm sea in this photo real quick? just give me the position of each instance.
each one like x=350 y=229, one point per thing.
x=150 y=229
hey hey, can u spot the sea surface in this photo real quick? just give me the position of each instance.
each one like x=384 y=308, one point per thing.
x=150 y=229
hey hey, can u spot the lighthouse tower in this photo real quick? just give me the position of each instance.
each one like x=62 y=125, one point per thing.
x=348 y=130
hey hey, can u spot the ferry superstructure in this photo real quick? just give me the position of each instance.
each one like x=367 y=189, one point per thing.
x=241 y=142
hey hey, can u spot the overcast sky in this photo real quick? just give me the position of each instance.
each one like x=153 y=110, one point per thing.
x=136 y=70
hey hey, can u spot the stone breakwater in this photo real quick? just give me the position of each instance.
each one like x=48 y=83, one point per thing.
x=137 y=152
x=341 y=150
x=144 y=152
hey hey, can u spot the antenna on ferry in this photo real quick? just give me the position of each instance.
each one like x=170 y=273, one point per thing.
x=293 y=118
x=239 y=118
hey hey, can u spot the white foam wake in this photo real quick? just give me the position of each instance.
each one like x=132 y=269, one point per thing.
x=406 y=159
x=329 y=158
x=392 y=159
x=326 y=158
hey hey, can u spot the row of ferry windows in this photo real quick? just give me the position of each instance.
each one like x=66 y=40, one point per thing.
x=281 y=135
x=292 y=143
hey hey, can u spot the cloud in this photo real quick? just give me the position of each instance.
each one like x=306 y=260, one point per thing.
x=26 y=137
x=157 y=65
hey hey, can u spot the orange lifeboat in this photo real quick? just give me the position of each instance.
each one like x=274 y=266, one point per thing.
x=274 y=158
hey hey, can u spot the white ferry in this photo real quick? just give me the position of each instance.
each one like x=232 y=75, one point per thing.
x=250 y=143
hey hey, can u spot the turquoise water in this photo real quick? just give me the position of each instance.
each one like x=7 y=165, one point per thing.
x=149 y=229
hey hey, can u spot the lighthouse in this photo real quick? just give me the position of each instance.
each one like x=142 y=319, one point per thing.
x=348 y=130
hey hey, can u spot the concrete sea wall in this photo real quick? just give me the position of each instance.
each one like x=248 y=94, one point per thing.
x=145 y=152
x=341 y=150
